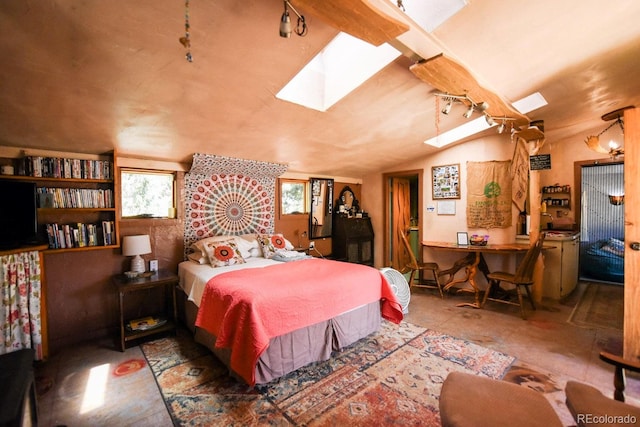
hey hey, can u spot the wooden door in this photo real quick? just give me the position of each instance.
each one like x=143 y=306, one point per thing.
x=401 y=211
x=632 y=234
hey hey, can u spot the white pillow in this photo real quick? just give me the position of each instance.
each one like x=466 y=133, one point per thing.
x=246 y=243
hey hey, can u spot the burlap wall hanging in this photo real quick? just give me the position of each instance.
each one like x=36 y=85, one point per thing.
x=488 y=194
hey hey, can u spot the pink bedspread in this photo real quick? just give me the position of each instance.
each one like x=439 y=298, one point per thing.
x=244 y=309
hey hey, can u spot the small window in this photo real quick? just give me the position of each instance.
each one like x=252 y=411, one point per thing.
x=147 y=194
x=293 y=196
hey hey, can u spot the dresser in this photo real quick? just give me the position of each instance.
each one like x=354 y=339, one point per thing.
x=352 y=240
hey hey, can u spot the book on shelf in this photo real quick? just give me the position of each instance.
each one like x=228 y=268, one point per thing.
x=145 y=323
x=55 y=167
x=80 y=235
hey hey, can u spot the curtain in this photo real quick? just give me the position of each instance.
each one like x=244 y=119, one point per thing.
x=20 y=291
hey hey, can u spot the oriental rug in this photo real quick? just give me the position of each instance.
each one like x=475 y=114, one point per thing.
x=392 y=377
x=600 y=305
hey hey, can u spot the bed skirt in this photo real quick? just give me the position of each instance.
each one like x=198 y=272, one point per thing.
x=291 y=351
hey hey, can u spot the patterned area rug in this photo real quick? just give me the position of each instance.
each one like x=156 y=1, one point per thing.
x=600 y=306
x=391 y=377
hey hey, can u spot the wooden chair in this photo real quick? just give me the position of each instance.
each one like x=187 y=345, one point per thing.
x=522 y=278
x=474 y=400
x=582 y=399
x=420 y=267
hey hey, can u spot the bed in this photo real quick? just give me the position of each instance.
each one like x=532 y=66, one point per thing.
x=265 y=318
x=604 y=260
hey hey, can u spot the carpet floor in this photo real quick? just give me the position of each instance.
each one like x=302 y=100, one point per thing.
x=392 y=377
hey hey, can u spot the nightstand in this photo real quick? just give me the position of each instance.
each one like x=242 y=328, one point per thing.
x=160 y=279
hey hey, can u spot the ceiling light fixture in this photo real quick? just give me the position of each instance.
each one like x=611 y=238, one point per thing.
x=615 y=148
x=447 y=108
x=285 y=22
x=463 y=99
x=490 y=120
x=469 y=112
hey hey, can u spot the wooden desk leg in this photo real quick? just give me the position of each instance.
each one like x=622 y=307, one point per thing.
x=471 y=272
x=465 y=263
x=122 y=343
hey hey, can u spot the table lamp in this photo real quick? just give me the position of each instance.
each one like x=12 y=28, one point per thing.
x=135 y=246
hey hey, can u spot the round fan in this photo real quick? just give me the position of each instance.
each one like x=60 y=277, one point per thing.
x=399 y=285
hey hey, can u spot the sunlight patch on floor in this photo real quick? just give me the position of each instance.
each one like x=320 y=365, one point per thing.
x=95 y=389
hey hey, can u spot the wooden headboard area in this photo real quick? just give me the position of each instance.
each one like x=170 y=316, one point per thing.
x=228 y=196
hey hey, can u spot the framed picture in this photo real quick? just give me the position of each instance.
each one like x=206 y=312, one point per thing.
x=446 y=181
x=463 y=238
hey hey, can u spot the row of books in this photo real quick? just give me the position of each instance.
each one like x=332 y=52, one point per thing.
x=80 y=235
x=57 y=167
x=75 y=197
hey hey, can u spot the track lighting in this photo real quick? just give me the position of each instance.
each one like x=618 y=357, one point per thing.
x=489 y=120
x=501 y=127
x=469 y=112
x=463 y=99
x=285 y=22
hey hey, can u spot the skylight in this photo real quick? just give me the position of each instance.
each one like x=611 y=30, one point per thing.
x=343 y=65
x=347 y=62
x=524 y=105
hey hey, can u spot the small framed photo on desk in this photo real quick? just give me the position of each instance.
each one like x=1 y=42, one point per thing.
x=463 y=238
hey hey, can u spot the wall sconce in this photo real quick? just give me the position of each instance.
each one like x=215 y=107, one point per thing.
x=135 y=246
x=614 y=148
x=616 y=200
x=285 y=22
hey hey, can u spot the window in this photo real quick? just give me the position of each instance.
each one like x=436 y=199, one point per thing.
x=148 y=194
x=293 y=197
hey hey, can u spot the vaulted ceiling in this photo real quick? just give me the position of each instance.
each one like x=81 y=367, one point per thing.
x=90 y=76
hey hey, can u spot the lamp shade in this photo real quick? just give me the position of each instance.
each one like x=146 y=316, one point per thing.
x=136 y=245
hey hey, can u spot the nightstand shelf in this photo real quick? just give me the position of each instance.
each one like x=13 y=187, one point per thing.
x=162 y=279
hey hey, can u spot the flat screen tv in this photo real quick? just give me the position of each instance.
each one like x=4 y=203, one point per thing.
x=18 y=214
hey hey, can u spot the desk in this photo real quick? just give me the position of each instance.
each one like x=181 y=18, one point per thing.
x=473 y=261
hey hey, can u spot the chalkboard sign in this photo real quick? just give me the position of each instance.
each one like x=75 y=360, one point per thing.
x=540 y=162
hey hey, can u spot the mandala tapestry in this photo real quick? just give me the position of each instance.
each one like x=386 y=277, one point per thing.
x=227 y=196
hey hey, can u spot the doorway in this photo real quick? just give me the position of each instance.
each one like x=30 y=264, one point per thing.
x=601 y=222
x=403 y=205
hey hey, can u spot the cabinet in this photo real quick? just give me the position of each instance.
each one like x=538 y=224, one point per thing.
x=159 y=280
x=76 y=200
x=560 y=264
x=352 y=240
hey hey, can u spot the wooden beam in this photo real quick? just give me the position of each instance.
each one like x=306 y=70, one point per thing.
x=449 y=76
x=355 y=17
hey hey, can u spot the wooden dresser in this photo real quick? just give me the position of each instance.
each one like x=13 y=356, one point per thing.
x=352 y=240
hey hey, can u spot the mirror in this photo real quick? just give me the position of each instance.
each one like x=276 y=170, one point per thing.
x=321 y=212
x=347 y=202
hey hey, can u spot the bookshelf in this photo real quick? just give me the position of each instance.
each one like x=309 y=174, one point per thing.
x=77 y=198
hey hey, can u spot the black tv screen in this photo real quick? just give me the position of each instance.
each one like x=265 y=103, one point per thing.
x=18 y=214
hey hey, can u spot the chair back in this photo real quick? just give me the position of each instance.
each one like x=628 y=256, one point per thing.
x=524 y=273
x=413 y=262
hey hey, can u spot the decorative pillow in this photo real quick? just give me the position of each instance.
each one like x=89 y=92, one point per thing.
x=223 y=253
x=199 y=246
x=271 y=243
